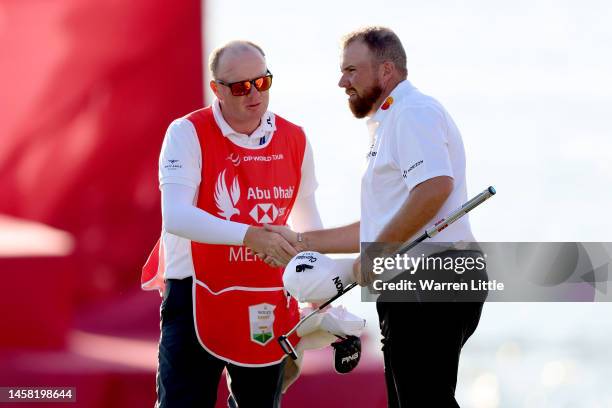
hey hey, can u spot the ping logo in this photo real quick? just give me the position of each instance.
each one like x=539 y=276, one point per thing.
x=348 y=359
x=303 y=267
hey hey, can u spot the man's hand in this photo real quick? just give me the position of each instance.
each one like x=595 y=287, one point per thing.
x=363 y=278
x=269 y=243
x=288 y=234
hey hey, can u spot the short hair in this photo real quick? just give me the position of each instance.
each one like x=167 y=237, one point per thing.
x=383 y=43
x=215 y=55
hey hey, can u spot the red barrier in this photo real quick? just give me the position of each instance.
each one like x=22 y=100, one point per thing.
x=88 y=89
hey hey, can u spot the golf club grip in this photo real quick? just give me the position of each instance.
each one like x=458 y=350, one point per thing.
x=460 y=212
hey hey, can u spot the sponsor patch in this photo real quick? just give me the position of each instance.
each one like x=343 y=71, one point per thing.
x=261 y=319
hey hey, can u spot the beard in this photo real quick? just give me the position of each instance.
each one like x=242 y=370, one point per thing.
x=361 y=105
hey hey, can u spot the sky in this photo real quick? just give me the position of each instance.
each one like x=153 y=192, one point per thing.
x=528 y=83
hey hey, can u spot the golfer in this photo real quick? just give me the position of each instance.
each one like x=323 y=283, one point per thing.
x=415 y=175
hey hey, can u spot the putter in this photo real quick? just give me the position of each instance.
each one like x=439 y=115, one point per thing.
x=283 y=340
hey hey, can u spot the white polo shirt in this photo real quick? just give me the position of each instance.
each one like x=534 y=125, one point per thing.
x=413 y=140
x=180 y=162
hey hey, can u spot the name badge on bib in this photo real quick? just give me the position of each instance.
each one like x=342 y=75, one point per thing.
x=261 y=318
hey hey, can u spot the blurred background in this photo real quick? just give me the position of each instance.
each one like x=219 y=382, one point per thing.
x=88 y=89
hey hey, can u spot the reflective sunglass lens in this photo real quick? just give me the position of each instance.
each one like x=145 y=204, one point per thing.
x=240 y=88
x=263 y=84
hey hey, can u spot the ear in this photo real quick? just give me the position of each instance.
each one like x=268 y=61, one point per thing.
x=386 y=70
x=215 y=88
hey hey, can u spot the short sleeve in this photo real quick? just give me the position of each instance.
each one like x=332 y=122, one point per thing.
x=421 y=145
x=180 y=159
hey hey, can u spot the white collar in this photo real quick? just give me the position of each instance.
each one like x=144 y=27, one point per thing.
x=402 y=89
x=266 y=126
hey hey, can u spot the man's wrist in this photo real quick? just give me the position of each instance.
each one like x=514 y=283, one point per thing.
x=303 y=241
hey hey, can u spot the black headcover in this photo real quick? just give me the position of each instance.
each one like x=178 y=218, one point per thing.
x=347 y=353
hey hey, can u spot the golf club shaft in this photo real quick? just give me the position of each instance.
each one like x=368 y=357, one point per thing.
x=429 y=233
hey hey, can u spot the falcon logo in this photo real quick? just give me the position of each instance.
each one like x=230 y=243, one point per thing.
x=264 y=213
x=225 y=199
x=234 y=158
x=303 y=267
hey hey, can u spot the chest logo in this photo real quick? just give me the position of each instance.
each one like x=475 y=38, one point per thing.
x=225 y=199
x=234 y=158
x=264 y=213
x=387 y=104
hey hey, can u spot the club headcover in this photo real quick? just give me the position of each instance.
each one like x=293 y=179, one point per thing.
x=314 y=277
x=347 y=353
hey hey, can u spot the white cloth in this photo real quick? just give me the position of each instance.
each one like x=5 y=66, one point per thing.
x=413 y=140
x=180 y=169
x=320 y=331
x=314 y=277
x=335 y=320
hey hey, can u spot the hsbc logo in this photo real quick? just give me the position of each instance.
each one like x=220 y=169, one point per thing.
x=264 y=213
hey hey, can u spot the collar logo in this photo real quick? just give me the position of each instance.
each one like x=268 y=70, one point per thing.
x=387 y=104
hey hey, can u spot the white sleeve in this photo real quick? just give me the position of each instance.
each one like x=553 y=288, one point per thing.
x=308 y=183
x=305 y=215
x=180 y=217
x=421 y=145
x=180 y=160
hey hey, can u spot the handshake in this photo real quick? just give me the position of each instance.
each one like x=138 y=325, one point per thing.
x=277 y=244
x=274 y=244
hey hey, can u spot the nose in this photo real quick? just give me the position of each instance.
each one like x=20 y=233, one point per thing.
x=253 y=92
x=343 y=82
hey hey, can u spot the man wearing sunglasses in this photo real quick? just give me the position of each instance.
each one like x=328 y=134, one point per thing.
x=225 y=171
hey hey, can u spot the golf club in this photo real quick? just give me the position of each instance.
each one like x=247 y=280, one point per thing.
x=429 y=233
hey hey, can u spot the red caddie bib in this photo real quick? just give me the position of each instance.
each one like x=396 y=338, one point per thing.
x=240 y=306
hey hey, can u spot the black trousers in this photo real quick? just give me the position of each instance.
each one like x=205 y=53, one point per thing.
x=188 y=376
x=422 y=343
